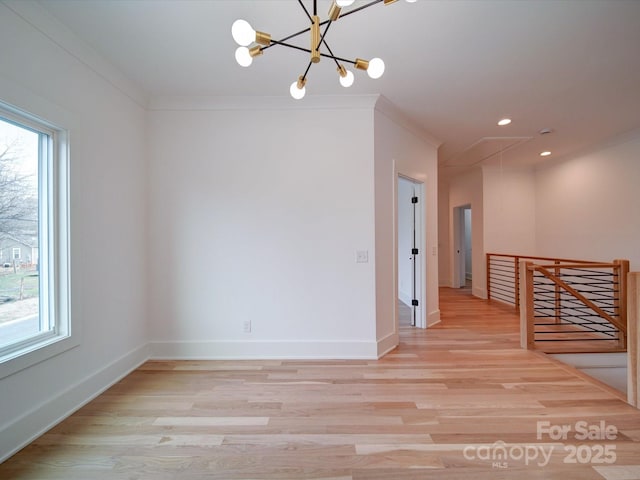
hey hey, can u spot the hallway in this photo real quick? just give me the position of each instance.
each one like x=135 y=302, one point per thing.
x=446 y=404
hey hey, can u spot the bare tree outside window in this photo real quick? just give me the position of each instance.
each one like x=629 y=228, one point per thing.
x=19 y=283
x=18 y=182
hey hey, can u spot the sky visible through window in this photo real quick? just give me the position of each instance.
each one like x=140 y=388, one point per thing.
x=22 y=145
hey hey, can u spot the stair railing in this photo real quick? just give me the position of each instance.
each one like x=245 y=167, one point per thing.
x=503 y=275
x=573 y=307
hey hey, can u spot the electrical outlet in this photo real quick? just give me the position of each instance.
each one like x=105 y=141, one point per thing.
x=247 y=326
x=362 y=256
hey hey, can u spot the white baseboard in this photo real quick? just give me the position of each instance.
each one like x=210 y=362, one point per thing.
x=433 y=318
x=387 y=344
x=37 y=421
x=479 y=292
x=264 y=350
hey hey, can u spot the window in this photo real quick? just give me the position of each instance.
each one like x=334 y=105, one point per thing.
x=34 y=294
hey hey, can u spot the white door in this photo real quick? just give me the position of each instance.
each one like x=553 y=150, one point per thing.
x=463 y=258
x=409 y=243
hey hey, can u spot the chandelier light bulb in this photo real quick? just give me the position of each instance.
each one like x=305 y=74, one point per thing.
x=297 y=93
x=347 y=80
x=253 y=43
x=242 y=33
x=243 y=57
x=376 y=68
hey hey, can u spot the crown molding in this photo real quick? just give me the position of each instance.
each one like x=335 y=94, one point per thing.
x=38 y=17
x=220 y=103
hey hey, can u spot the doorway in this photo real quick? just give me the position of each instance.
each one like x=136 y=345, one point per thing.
x=410 y=252
x=463 y=247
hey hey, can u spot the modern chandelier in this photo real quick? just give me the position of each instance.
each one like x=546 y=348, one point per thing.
x=253 y=44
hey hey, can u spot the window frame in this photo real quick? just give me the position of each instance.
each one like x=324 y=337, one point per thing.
x=54 y=254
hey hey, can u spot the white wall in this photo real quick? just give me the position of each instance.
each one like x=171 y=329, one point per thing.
x=108 y=208
x=258 y=214
x=401 y=149
x=503 y=206
x=509 y=200
x=465 y=190
x=588 y=207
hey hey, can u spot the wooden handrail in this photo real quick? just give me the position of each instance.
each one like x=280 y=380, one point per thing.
x=577 y=265
x=533 y=257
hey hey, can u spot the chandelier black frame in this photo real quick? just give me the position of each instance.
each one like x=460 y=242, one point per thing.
x=245 y=36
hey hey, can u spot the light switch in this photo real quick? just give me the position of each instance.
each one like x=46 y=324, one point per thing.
x=362 y=256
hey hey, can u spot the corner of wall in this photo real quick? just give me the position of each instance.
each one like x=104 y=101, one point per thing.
x=433 y=318
x=479 y=292
x=387 y=344
x=32 y=424
x=387 y=108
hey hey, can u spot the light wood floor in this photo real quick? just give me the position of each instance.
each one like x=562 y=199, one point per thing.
x=434 y=408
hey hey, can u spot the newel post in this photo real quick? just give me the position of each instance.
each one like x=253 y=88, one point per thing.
x=621 y=272
x=488 y=274
x=527 y=326
x=558 y=294
x=633 y=344
x=516 y=269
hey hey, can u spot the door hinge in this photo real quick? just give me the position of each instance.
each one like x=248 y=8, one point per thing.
x=414 y=199
x=414 y=302
x=414 y=251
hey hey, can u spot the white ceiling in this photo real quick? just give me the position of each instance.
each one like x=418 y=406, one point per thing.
x=454 y=67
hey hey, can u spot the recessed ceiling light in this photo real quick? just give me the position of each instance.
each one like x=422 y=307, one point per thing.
x=504 y=121
x=545 y=153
